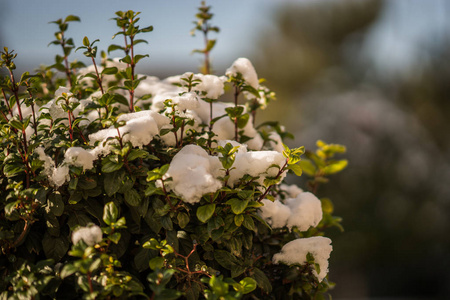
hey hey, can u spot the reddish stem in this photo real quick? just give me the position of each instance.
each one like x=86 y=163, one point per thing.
x=278 y=175
x=7 y=102
x=99 y=79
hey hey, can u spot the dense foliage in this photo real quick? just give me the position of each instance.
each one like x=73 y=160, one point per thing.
x=119 y=185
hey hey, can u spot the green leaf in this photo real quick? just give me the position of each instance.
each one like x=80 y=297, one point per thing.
x=308 y=167
x=132 y=197
x=327 y=205
x=113 y=182
x=147 y=29
x=142 y=258
x=248 y=285
x=138 y=153
x=226 y=259
x=67 y=270
x=115 y=237
x=205 y=212
x=210 y=44
x=296 y=169
x=78 y=219
x=71 y=18
x=86 y=41
x=138 y=57
x=55 y=204
x=168 y=294
x=13 y=169
x=126 y=59
x=16 y=124
x=115 y=47
x=237 y=205
x=109 y=166
x=215 y=223
x=335 y=166
x=183 y=219
x=110 y=71
x=166 y=222
x=156 y=263
x=110 y=213
x=238 y=220
x=55 y=247
x=248 y=223
x=262 y=280
x=243 y=120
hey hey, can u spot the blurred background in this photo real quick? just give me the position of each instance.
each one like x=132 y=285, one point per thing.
x=370 y=74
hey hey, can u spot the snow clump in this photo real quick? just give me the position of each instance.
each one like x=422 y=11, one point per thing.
x=194 y=173
x=304 y=211
x=140 y=128
x=244 y=66
x=80 y=157
x=91 y=235
x=295 y=252
x=256 y=164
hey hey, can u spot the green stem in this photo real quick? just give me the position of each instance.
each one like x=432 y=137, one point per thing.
x=236 y=95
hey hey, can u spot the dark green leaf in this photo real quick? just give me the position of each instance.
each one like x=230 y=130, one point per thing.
x=55 y=205
x=138 y=57
x=109 y=166
x=110 y=71
x=183 y=219
x=113 y=182
x=248 y=223
x=132 y=197
x=147 y=29
x=262 y=280
x=205 y=212
x=238 y=220
x=55 y=247
x=226 y=259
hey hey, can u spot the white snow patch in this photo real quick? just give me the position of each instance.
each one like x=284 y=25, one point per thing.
x=140 y=128
x=212 y=85
x=295 y=252
x=304 y=211
x=80 y=157
x=60 y=175
x=194 y=173
x=244 y=66
x=292 y=190
x=256 y=164
x=91 y=235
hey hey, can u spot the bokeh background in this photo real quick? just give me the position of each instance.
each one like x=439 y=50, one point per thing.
x=371 y=74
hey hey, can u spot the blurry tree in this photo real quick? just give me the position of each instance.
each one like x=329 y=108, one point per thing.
x=311 y=38
x=427 y=92
x=394 y=197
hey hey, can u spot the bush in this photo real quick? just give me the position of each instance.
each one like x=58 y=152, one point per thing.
x=119 y=185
